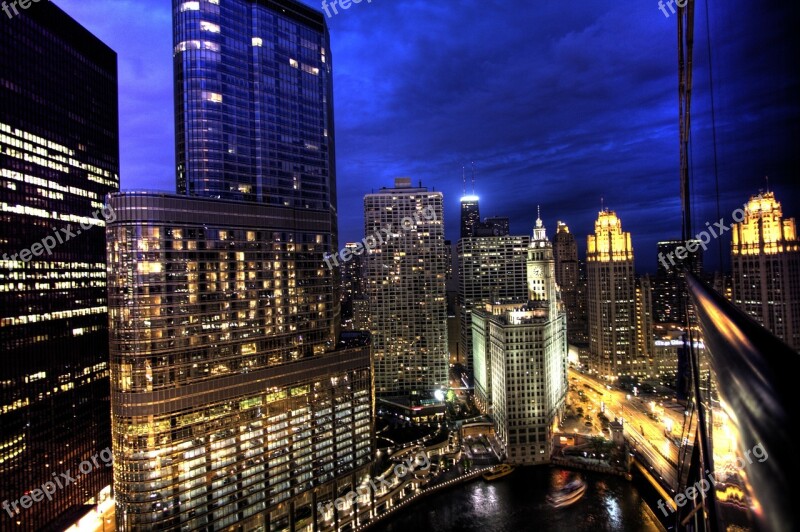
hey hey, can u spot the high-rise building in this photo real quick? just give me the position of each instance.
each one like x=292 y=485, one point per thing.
x=59 y=157
x=670 y=297
x=352 y=278
x=406 y=289
x=568 y=276
x=470 y=215
x=521 y=360
x=230 y=405
x=765 y=253
x=643 y=364
x=493 y=226
x=611 y=298
x=492 y=269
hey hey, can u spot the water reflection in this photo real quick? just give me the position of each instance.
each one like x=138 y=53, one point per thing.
x=518 y=503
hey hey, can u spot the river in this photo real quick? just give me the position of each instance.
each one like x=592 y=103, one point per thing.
x=517 y=503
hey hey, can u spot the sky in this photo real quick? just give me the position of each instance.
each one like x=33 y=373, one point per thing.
x=559 y=104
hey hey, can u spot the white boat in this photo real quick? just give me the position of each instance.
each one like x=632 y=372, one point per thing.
x=568 y=495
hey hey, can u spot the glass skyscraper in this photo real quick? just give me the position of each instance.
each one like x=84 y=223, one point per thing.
x=254 y=102
x=59 y=157
x=233 y=409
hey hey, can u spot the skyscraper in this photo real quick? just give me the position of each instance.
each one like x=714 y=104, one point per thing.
x=59 y=157
x=670 y=297
x=492 y=269
x=521 y=360
x=611 y=298
x=406 y=289
x=643 y=364
x=470 y=215
x=231 y=403
x=765 y=253
x=565 y=253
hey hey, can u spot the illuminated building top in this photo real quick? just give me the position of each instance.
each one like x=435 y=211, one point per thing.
x=609 y=243
x=763 y=229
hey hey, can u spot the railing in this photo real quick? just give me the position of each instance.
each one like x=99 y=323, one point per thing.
x=751 y=377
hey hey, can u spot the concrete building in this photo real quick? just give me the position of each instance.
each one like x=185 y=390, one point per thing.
x=611 y=299
x=521 y=360
x=643 y=364
x=765 y=255
x=406 y=276
x=573 y=289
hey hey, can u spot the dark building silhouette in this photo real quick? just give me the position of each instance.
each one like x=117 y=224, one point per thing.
x=59 y=157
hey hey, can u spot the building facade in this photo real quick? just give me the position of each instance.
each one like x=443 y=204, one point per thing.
x=670 y=297
x=765 y=255
x=492 y=269
x=470 y=216
x=230 y=403
x=521 y=360
x=59 y=157
x=573 y=290
x=611 y=299
x=644 y=363
x=406 y=290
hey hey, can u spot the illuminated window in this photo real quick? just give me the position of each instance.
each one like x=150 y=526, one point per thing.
x=209 y=26
x=257 y=41
x=190 y=6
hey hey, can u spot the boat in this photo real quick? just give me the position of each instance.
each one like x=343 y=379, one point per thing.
x=498 y=472
x=568 y=495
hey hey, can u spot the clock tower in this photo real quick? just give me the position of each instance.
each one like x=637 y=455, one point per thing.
x=541 y=266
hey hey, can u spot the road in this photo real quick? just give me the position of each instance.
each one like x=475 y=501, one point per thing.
x=649 y=434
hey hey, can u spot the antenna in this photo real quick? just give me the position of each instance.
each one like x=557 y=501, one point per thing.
x=473 y=178
x=602 y=208
x=766 y=177
x=464 y=179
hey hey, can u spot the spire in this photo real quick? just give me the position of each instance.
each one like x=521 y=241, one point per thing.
x=464 y=180
x=473 y=178
x=539 y=233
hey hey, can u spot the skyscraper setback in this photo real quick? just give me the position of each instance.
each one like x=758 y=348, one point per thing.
x=406 y=289
x=611 y=298
x=227 y=387
x=59 y=157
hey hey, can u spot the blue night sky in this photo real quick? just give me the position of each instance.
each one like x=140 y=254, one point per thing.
x=557 y=103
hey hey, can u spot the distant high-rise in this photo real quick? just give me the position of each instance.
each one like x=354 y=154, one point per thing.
x=494 y=226
x=353 y=285
x=521 y=360
x=765 y=253
x=491 y=270
x=670 y=297
x=565 y=252
x=643 y=364
x=59 y=157
x=406 y=288
x=611 y=298
x=470 y=216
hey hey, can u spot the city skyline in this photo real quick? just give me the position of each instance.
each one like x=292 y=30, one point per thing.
x=631 y=45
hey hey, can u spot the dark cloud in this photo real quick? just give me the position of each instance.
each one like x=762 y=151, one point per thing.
x=557 y=103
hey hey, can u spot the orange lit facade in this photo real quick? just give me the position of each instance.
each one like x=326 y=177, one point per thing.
x=765 y=256
x=612 y=300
